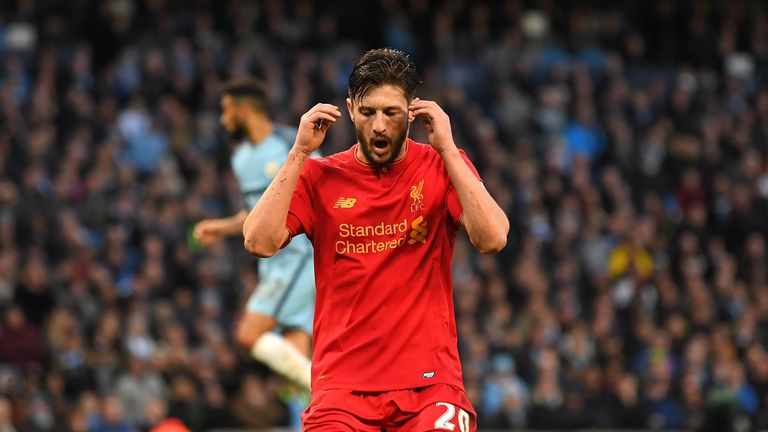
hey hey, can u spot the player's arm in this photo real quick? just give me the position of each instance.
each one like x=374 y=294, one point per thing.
x=208 y=231
x=264 y=228
x=485 y=222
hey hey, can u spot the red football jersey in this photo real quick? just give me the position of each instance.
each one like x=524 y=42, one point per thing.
x=383 y=240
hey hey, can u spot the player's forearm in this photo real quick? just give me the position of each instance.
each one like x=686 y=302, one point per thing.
x=264 y=228
x=232 y=225
x=486 y=224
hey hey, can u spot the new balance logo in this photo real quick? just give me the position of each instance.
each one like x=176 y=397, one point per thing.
x=419 y=230
x=345 y=202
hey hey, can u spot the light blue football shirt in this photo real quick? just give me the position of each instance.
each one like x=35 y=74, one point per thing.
x=254 y=166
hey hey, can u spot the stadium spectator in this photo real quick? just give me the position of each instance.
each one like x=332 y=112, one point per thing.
x=21 y=343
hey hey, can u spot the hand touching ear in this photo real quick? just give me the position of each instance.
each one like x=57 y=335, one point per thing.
x=313 y=126
x=435 y=121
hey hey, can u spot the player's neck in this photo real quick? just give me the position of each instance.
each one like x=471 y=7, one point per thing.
x=258 y=129
x=360 y=156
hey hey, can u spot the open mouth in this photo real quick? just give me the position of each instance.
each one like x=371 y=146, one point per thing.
x=380 y=143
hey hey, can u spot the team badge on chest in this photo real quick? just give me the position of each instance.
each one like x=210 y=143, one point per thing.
x=417 y=197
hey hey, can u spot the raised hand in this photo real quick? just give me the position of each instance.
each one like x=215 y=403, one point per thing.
x=435 y=121
x=207 y=231
x=313 y=126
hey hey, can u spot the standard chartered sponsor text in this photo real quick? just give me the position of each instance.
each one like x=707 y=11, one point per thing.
x=349 y=234
x=382 y=229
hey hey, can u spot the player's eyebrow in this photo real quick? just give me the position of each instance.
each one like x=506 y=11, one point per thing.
x=390 y=107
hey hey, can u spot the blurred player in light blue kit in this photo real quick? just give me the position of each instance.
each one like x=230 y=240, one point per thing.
x=285 y=295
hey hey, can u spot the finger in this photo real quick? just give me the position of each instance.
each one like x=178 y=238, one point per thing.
x=416 y=105
x=427 y=124
x=419 y=108
x=422 y=112
x=197 y=231
x=200 y=237
x=325 y=118
x=320 y=120
x=321 y=104
x=421 y=103
x=319 y=110
x=326 y=108
x=324 y=125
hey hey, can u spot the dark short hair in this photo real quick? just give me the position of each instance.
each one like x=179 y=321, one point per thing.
x=247 y=90
x=383 y=66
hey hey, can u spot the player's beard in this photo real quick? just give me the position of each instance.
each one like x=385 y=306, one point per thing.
x=239 y=133
x=395 y=145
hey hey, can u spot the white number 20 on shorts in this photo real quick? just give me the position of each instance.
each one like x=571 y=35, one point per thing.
x=444 y=421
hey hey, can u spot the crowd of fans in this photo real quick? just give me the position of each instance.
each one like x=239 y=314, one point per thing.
x=626 y=140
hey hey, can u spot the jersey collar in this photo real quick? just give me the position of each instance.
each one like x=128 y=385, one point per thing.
x=394 y=167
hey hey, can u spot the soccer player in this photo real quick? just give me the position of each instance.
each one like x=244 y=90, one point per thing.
x=382 y=217
x=285 y=294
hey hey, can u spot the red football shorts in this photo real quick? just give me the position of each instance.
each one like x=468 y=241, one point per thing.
x=439 y=407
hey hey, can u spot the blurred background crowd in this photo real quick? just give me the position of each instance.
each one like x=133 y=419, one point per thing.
x=626 y=140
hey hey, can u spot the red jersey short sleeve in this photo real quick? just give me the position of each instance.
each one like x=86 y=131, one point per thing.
x=300 y=213
x=383 y=242
x=454 y=205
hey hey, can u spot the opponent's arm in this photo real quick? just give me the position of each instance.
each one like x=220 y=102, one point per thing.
x=485 y=222
x=264 y=228
x=208 y=231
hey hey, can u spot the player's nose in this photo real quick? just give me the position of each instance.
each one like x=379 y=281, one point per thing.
x=379 y=123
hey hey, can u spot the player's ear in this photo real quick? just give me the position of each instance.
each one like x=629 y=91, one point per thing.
x=351 y=109
x=243 y=109
x=410 y=116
